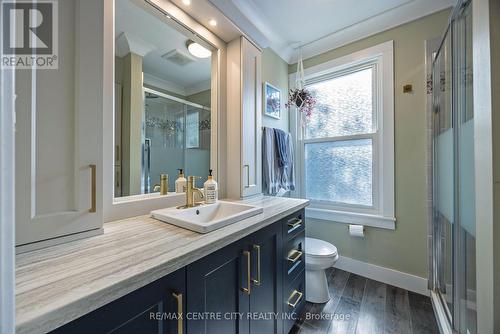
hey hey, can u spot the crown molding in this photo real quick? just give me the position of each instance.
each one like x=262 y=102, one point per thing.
x=246 y=15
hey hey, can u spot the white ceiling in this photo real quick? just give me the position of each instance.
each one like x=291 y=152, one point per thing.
x=320 y=25
x=156 y=37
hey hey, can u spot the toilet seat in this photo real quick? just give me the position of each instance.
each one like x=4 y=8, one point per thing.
x=320 y=248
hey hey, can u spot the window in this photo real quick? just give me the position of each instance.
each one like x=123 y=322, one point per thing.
x=347 y=145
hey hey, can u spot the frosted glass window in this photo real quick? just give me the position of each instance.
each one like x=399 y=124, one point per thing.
x=339 y=137
x=340 y=171
x=344 y=105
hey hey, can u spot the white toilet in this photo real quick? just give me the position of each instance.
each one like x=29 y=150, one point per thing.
x=320 y=255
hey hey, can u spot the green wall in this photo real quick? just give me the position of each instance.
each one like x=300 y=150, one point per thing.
x=275 y=71
x=204 y=98
x=404 y=249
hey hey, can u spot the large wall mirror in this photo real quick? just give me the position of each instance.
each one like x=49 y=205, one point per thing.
x=163 y=108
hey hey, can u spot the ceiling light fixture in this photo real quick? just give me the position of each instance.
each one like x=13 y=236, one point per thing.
x=212 y=22
x=198 y=50
x=186 y=2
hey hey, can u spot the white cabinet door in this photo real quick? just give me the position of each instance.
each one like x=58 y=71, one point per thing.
x=59 y=132
x=251 y=119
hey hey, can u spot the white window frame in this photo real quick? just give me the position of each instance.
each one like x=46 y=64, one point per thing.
x=382 y=213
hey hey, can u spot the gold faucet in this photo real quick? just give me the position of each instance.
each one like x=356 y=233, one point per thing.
x=163 y=186
x=190 y=191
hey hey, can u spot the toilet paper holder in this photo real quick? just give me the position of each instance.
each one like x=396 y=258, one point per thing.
x=356 y=230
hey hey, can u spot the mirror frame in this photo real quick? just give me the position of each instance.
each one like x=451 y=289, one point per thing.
x=129 y=206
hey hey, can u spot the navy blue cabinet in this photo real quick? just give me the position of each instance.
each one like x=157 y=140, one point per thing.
x=239 y=285
x=266 y=294
x=143 y=311
x=218 y=288
x=252 y=286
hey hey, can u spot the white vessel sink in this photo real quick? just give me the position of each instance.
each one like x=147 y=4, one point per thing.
x=208 y=217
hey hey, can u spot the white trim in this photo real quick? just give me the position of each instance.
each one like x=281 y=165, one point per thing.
x=383 y=55
x=439 y=311
x=174 y=98
x=129 y=43
x=152 y=80
x=483 y=161
x=198 y=87
x=7 y=196
x=351 y=218
x=248 y=17
x=57 y=241
x=385 y=275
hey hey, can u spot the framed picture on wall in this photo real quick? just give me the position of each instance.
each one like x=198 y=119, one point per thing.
x=272 y=101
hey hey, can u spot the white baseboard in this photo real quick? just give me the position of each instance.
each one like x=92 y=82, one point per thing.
x=385 y=275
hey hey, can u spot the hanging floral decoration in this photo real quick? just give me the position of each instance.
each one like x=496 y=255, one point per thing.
x=300 y=96
x=302 y=99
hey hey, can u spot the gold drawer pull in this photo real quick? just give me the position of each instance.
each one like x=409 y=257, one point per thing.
x=178 y=296
x=257 y=281
x=93 y=188
x=296 y=223
x=294 y=255
x=297 y=299
x=248 y=288
x=248 y=175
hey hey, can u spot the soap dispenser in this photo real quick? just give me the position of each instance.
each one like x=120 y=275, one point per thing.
x=180 y=183
x=210 y=189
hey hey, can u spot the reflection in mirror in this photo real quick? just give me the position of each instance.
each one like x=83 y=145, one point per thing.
x=162 y=101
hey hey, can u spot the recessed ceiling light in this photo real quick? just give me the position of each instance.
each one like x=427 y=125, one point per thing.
x=198 y=50
x=212 y=22
x=186 y=2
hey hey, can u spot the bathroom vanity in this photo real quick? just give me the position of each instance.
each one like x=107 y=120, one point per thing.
x=142 y=271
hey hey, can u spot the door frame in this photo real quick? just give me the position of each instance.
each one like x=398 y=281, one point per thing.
x=7 y=195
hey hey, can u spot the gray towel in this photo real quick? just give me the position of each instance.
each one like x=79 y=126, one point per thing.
x=277 y=178
x=281 y=146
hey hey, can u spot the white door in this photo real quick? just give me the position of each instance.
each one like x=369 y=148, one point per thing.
x=59 y=132
x=251 y=120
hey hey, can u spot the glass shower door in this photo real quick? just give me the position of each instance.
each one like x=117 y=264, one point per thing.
x=164 y=139
x=454 y=227
x=443 y=178
x=465 y=209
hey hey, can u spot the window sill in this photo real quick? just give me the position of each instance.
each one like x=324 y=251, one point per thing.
x=352 y=218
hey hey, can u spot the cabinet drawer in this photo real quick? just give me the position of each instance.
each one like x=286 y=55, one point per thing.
x=142 y=311
x=295 y=258
x=294 y=301
x=293 y=224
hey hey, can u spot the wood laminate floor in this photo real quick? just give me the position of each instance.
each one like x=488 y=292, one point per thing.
x=363 y=306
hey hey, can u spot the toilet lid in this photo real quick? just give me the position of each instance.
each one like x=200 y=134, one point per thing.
x=317 y=247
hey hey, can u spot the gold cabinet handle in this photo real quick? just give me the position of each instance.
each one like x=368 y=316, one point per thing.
x=93 y=189
x=248 y=175
x=297 y=222
x=178 y=297
x=297 y=295
x=294 y=255
x=257 y=281
x=247 y=289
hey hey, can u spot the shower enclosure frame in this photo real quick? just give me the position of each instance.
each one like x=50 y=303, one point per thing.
x=456 y=318
x=146 y=142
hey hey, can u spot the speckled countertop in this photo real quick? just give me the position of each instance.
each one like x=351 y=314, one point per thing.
x=58 y=284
